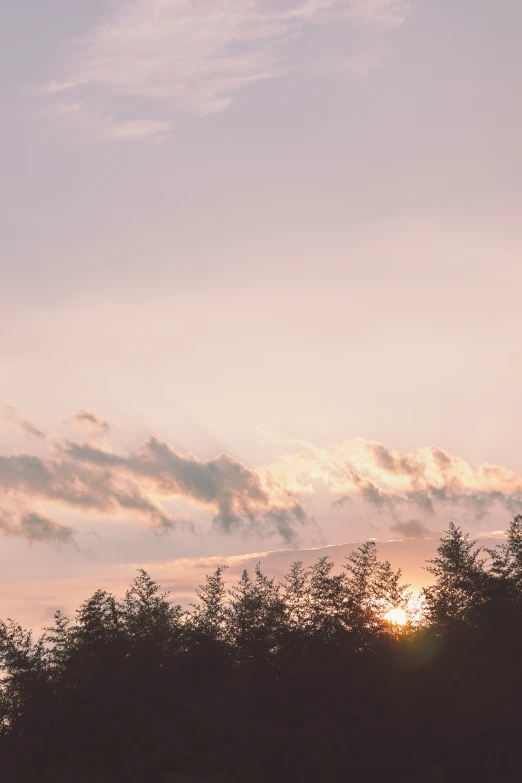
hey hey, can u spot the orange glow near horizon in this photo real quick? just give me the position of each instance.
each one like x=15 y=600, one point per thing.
x=396 y=616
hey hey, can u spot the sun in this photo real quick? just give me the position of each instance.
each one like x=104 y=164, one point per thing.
x=396 y=616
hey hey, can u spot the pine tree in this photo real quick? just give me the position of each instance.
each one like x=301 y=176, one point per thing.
x=461 y=580
x=388 y=590
x=56 y=643
x=23 y=673
x=209 y=616
x=327 y=599
x=506 y=561
x=296 y=596
x=148 y=614
x=256 y=619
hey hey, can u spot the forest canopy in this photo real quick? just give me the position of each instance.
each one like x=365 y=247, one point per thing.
x=301 y=679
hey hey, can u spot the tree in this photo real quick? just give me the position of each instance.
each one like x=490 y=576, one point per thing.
x=327 y=598
x=57 y=640
x=388 y=590
x=296 y=596
x=152 y=623
x=506 y=560
x=306 y=672
x=361 y=567
x=98 y=622
x=209 y=617
x=372 y=589
x=256 y=618
x=22 y=669
x=461 y=581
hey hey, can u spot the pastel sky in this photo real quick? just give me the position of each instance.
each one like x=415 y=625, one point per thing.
x=260 y=280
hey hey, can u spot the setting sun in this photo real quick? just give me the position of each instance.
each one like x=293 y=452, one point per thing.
x=396 y=616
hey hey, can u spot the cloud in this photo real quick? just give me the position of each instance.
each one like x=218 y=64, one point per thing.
x=370 y=491
x=136 y=130
x=27 y=427
x=68 y=108
x=35 y=528
x=392 y=13
x=479 y=503
x=493 y=534
x=393 y=481
x=96 y=481
x=411 y=529
x=231 y=490
x=30 y=429
x=105 y=127
x=65 y=483
x=84 y=417
x=193 y=58
x=394 y=462
x=360 y=66
x=146 y=484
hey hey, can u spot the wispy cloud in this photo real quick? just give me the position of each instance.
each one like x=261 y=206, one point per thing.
x=26 y=426
x=193 y=57
x=493 y=534
x=360 y=66
x=106 y=127
x=85 y=417
x=388 y=12
x=35 y=527
x=136 y=130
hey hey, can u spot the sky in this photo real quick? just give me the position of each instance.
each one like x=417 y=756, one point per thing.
x=260 y=284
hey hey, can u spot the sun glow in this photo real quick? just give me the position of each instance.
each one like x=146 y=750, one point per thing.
x=396 y=616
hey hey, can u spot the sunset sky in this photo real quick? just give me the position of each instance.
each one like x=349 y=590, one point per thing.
x=260 y=283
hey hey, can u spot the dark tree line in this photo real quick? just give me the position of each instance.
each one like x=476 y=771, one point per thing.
x=305 y=679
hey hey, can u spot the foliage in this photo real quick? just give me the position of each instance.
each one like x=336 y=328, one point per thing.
x=302 y=679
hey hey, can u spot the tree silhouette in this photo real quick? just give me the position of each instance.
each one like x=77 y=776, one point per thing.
x=302 y=680
x=506 y=560
x=461 y=580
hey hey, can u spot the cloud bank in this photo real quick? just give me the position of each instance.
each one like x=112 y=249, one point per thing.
x=91 y=479
x=390 y=480
x=95 y=481
x=192 y=57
